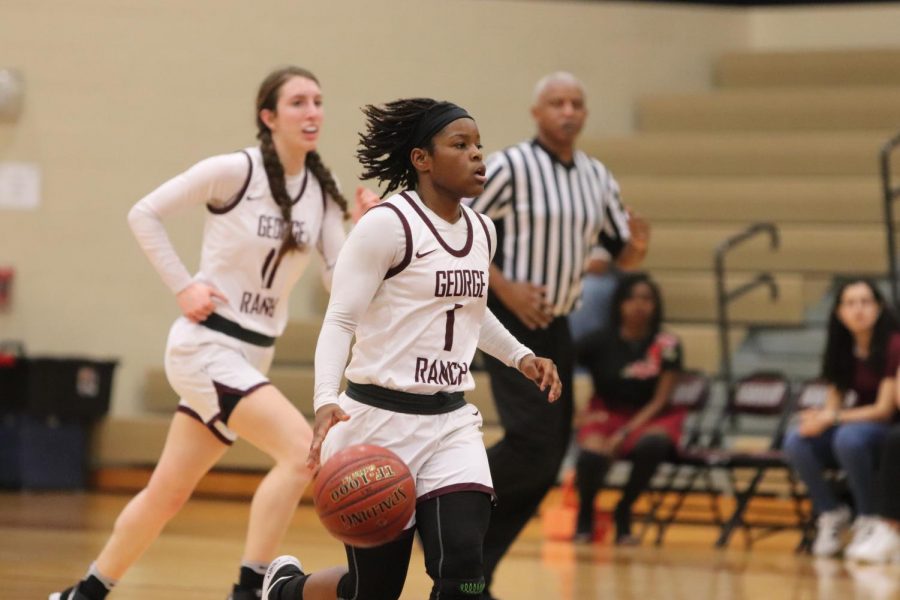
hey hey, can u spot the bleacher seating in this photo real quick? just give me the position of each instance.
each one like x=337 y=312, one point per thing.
x=787 y=137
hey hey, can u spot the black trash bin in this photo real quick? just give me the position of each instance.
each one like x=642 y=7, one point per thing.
x=45 y=453
x=68 y=388
x=13 y=377
x=13 y=392
x=44 y=442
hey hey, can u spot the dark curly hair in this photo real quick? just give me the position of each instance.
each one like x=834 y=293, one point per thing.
x=385 y=145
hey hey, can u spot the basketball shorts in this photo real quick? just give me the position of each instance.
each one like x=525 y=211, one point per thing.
x=211 y=372
x=445 y=453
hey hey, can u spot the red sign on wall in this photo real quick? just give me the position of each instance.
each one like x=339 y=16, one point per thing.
x=6 y=280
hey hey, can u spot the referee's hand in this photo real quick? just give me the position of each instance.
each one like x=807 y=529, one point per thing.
x=528 y=302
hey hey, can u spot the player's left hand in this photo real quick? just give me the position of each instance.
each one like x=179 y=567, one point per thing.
x=543 y=373
x=364 y=199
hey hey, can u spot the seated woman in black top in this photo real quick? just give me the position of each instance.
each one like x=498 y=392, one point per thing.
x=634 y=366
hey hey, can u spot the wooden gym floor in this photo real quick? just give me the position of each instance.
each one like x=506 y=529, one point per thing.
x=47 y=541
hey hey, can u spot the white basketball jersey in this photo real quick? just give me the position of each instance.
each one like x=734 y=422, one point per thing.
x=421 y=329
x=240 y=249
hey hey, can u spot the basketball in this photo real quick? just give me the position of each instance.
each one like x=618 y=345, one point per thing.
x=365 y=495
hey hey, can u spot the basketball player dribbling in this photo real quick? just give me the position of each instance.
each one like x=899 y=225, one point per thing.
x=268 y=206
x=411 y=285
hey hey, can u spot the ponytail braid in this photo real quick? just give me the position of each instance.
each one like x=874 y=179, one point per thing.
x=275 y=175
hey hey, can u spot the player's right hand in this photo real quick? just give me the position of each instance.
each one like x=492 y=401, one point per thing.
x=528 y=302
x=196 y=301
x=326 y=417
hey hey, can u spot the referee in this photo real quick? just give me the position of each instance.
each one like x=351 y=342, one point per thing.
x=555 y=209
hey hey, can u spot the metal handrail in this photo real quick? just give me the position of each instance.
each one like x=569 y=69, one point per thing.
x=724 y=297
x=890 y=194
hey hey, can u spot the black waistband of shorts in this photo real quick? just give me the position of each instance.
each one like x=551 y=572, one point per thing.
x=406 y=402
x=217 y=322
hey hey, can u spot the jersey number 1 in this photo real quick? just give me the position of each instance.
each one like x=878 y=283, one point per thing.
x=448 y=332
x=269 y=276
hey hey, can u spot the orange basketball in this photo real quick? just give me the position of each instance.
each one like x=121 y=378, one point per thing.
x=365 y=495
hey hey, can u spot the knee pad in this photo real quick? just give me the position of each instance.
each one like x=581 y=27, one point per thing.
x=458 y=588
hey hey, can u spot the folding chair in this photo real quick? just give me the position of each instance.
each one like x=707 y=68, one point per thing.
x=812 y=394
x=764 y=395
x=691 y=394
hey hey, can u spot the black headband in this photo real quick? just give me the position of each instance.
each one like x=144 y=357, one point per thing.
x=436 y=118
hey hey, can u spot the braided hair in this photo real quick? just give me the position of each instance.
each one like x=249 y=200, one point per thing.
x=267 y=98
x=385 y=145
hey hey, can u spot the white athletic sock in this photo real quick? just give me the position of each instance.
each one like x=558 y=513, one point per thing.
x=256 y=567
x=107 y=582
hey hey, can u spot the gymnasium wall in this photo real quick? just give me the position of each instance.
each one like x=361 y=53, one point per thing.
x=836 y=26
x=122 y=94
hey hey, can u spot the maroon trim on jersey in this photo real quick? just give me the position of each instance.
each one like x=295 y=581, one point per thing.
x=302 y=188
x=211 y=425
x=464 y=251
x=407 y=256
x=190 y=412
x=221 y=388
x=253 y=388
x=458 y=487
x=237 y=197
x=487 y=232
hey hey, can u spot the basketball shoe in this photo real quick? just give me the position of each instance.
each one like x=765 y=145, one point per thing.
x=71 y=593
x=283 y=569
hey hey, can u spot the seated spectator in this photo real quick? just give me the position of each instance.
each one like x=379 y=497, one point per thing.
x=883 y=545
x=634 y=366
x=860 y=364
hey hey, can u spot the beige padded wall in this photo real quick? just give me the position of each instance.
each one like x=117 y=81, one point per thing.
x=826 y=27
x=122 y=94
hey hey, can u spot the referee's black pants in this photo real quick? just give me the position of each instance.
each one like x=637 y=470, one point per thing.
x=525 y=463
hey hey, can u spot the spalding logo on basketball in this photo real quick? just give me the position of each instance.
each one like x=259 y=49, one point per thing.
x=365 y=495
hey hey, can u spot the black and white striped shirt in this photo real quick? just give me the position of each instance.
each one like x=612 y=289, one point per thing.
x=550 y=216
